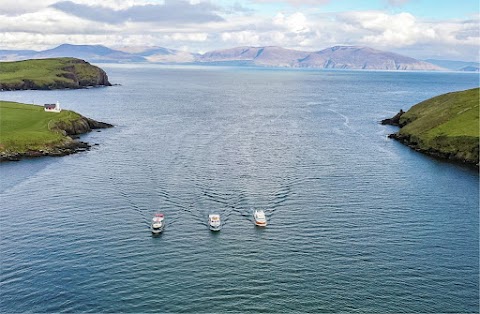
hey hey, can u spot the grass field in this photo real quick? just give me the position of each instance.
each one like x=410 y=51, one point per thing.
x=448 y=123
x=28 y=127
x=48 y=74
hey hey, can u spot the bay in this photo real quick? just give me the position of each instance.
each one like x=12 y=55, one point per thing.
x=357 y=222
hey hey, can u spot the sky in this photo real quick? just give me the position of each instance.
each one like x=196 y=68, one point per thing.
x=439 y=29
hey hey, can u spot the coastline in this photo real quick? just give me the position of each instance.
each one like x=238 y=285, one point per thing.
x=443 y=145
x=69 y=145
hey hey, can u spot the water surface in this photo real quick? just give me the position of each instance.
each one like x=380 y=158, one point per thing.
x=357 y=223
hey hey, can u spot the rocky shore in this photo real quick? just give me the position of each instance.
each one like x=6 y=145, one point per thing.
x=459 y=149
x=70 y=145
x=51 y=74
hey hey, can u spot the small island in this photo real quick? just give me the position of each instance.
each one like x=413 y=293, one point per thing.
x=446 y=126
x=53 y=73
x=32 y=131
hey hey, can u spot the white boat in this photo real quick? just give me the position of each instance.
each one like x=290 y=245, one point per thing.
x=259 y=218
x=214 y=222
x=158 y=223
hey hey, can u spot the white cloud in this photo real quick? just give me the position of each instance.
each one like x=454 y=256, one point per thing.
x=295 y=23
x=242 y=38
x=403 y=30
x=191 y=37
x=40 y=26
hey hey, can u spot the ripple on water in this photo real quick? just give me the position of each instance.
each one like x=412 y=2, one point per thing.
x=356 y=223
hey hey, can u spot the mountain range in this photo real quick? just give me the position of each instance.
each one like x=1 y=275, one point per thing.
x=338 y=57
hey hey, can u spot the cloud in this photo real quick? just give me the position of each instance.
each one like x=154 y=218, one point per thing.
x=249 y=38
x=403 y=29
x=169 y=12
x=19 y=7
x=202 y=26
x=295 y=23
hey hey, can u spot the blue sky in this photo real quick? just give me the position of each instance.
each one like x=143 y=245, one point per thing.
x=441 y=29
x=438 y=9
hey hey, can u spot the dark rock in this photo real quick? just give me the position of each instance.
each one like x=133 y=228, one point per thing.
x=72 y=77
x=395 y=120
x=69 y=146
x=81 y=126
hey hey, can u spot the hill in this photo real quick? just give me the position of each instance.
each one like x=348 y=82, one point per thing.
x=353 y=57
x=456 y=65
x=92 y=53
x=259 y=56
x=160 y=54
x=338 y=57
x=29 y=131
x=55 y=73
x=446 y=126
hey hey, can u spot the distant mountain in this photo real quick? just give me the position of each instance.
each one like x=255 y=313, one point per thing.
x=14 y=55
x=455 y=65
x=471 y=68
x=163 y=55
x=353 y=57
x=91 y=53
x=260 y=56
x=338 y=57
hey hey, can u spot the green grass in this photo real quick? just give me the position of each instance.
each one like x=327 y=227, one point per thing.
x=28 y=127
x=48 y=73
x=448 y=123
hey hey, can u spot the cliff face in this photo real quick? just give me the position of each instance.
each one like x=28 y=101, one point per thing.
x=56 y=73
x=80 y=126
x=446 y=126
x=83 y=74
x=67 y=146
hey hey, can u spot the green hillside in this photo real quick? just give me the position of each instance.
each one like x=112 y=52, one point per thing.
x=446 y=126
x=54 y=73
x=28 y=127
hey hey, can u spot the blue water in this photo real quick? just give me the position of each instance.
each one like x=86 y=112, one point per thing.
x=357 y=223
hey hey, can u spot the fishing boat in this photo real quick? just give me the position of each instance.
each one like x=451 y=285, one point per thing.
x=259 y=218
x=158 y=223
x=214 y=222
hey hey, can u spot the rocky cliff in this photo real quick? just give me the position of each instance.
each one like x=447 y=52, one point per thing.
x=69 y=144
x=55 y=73
x=446 y=126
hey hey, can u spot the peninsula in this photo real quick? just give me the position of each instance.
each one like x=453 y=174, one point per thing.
x=53 y=73
x=446 y=126
x=30 y=131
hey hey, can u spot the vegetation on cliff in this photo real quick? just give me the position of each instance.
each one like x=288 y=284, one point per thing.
x=446 y=126
x=54 y=73
x=27 y=130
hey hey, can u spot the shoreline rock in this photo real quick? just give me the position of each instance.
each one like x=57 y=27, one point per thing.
x=411 y=142
x=70 y=146
x=395 y=120
x=71 y=73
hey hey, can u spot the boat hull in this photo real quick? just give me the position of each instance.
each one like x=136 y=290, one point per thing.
x=154 y=231
x=215 y=228
x=260 y=224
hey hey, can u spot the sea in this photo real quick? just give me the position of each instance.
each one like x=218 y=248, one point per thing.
x=357 y=223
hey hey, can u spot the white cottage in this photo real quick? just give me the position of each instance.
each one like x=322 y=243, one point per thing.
x=52 y=107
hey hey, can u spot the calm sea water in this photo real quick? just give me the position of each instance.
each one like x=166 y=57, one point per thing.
x=357 y=223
